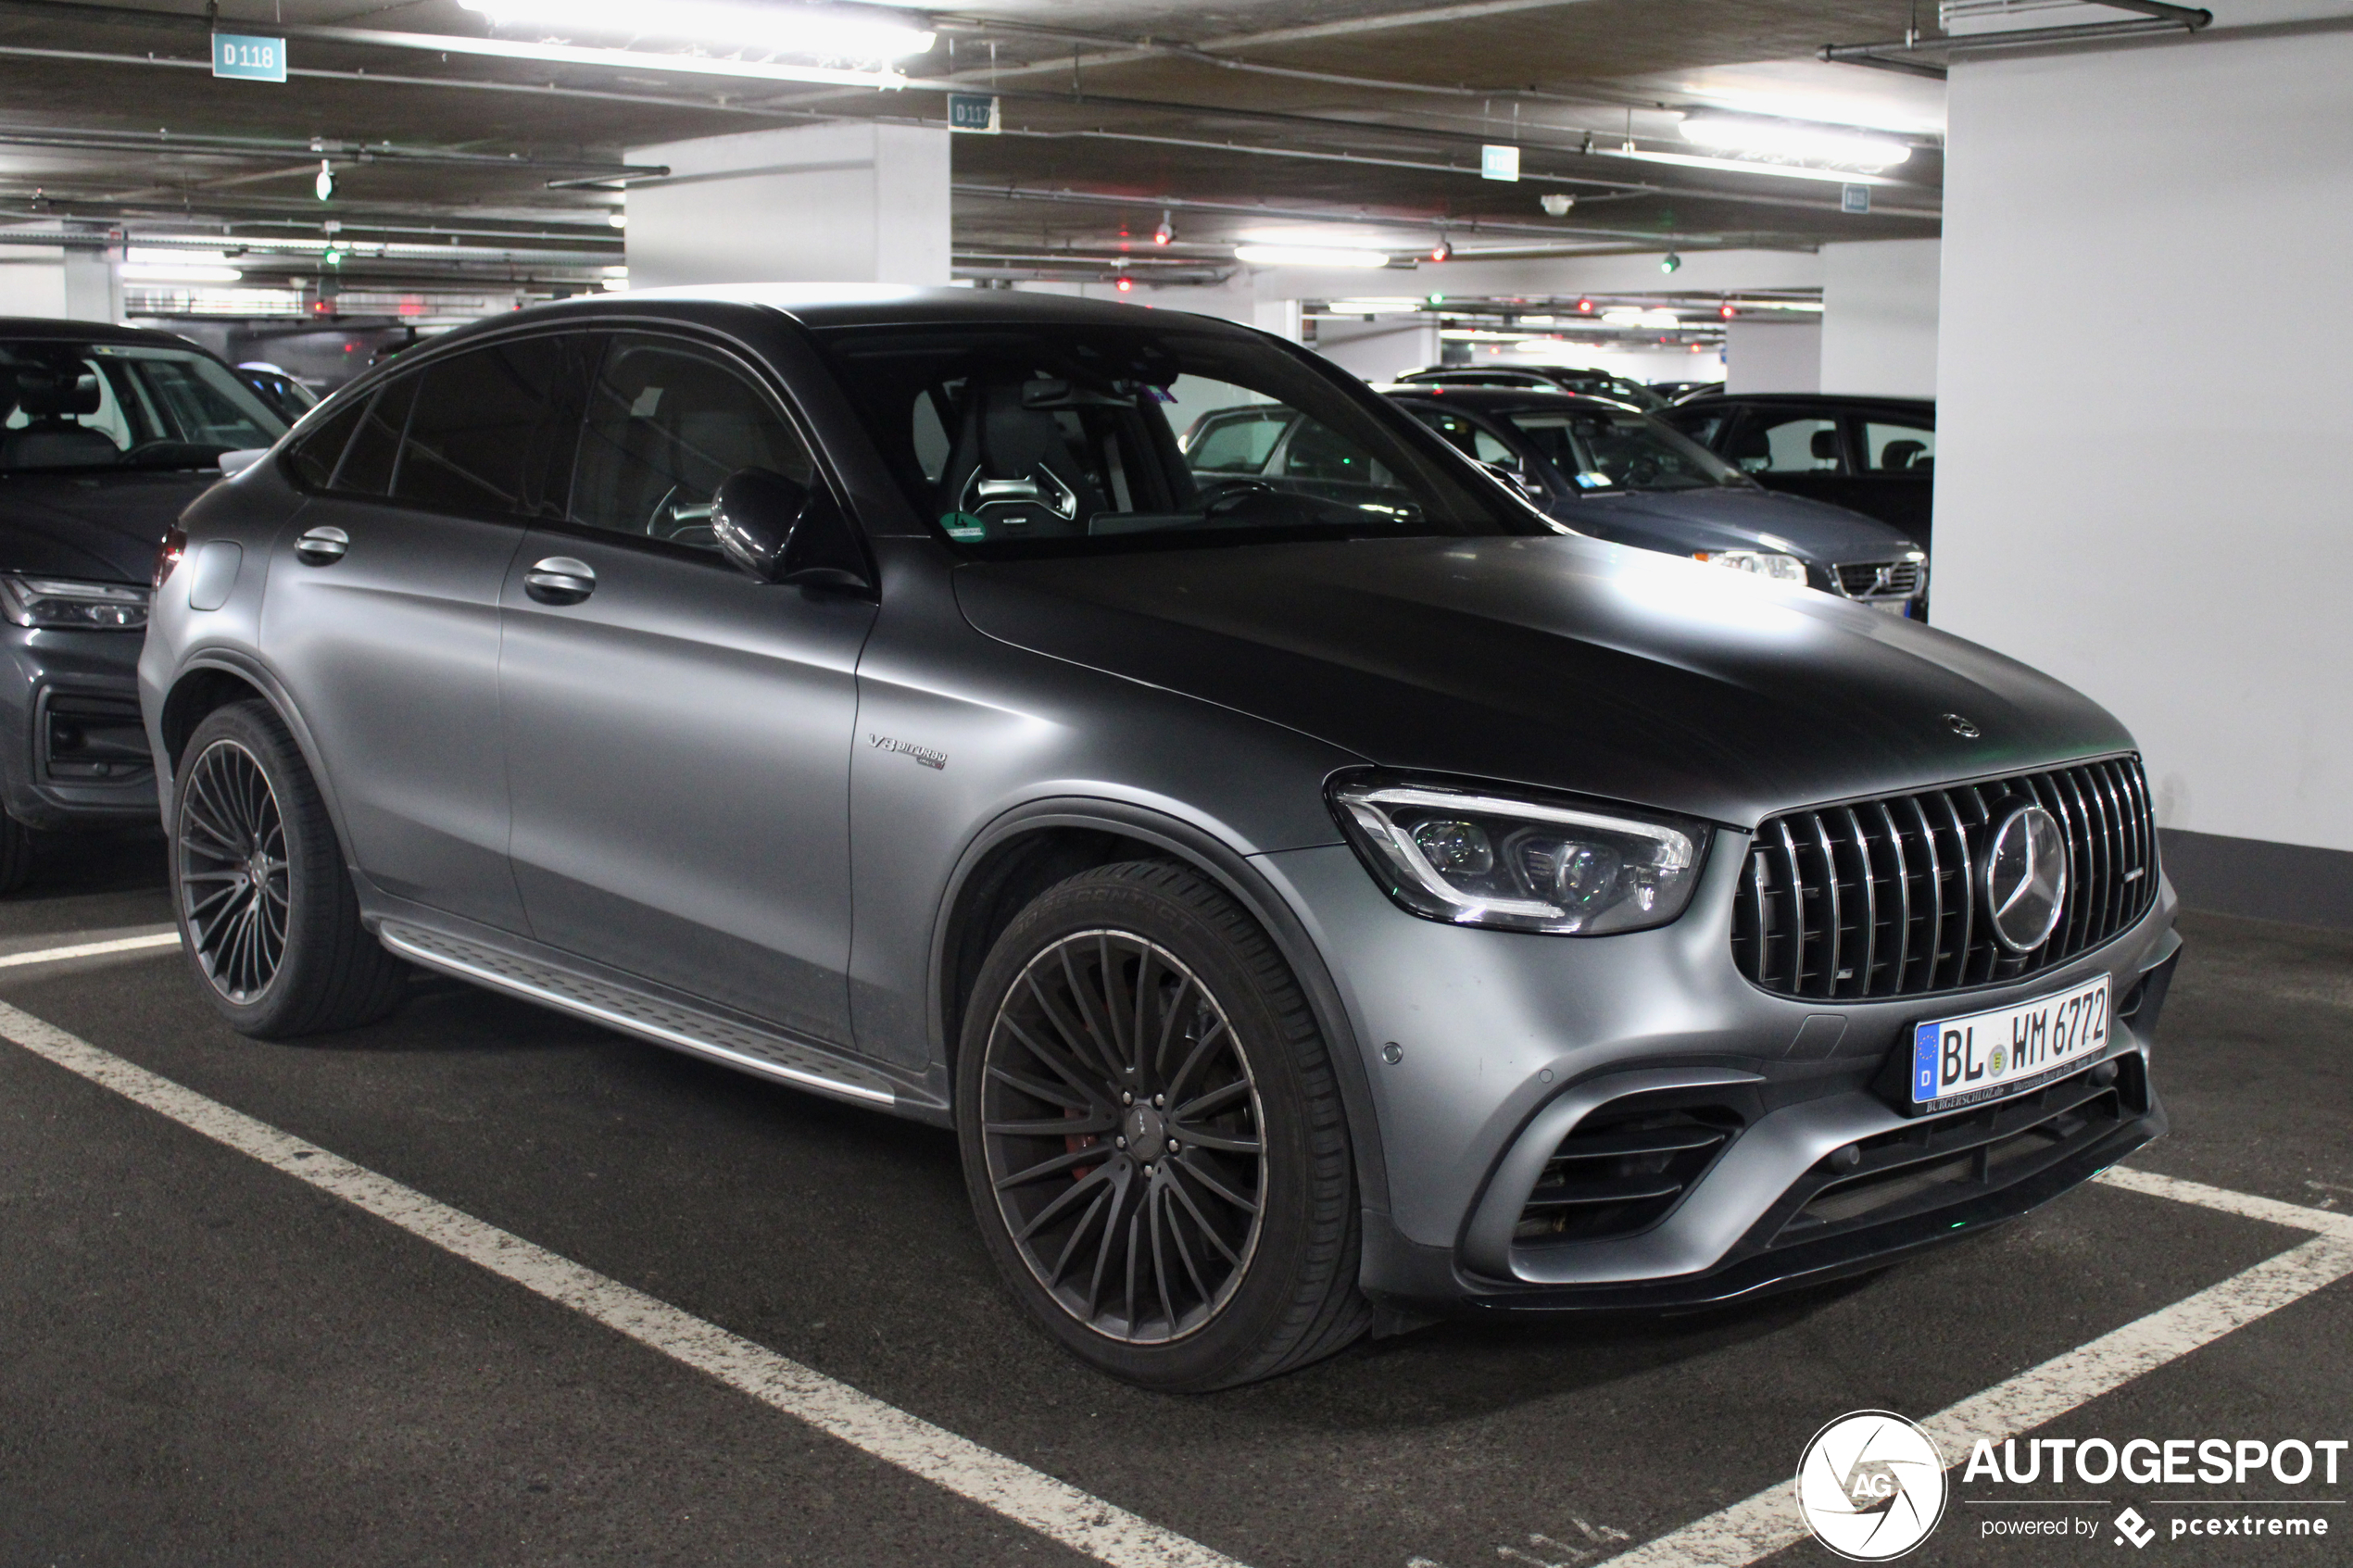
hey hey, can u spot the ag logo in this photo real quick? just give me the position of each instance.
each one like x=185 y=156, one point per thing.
x=1870 y=1486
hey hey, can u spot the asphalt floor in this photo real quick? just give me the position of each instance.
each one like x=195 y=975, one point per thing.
x=202 y=1361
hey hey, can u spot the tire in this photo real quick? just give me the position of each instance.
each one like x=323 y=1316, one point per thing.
x=16 y=854
x=266 y=912
x=1183 y=1213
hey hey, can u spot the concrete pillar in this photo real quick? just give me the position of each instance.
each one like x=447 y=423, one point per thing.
x=60 y=283
x=1380 y=349
x=1879 y=318
x=1772 y=355
x=844 y=201
x=2138 y=487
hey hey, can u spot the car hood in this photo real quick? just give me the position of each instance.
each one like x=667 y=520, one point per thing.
x=1561 y=662
x=1730 y=519
x=101 y=526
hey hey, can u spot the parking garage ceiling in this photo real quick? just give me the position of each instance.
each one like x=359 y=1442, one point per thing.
x=1357 y=123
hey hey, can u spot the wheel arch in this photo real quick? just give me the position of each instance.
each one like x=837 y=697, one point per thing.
x=1032 y=847
x=213 y=681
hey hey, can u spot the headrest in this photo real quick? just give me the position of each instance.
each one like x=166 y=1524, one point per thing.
x=50 y=390
x=1825 y=444
x=1901 y=454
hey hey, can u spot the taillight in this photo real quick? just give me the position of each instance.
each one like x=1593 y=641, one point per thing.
x=175 y=544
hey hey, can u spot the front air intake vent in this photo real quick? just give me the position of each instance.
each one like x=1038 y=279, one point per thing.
x=1615 y=1173
x=1886 y=897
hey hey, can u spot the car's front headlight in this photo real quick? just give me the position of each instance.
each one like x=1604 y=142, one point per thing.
x=1521 y=862
x=1757 y=563
x=63 y=604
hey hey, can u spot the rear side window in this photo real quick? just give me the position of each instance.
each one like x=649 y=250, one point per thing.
x=367 y=465
x=1236 y=443
x=1896 y=448
x=667 y=420
x=491 y=433
x=312 y=456
x=1790 y=446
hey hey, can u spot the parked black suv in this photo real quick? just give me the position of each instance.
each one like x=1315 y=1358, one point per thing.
x=1876 y=456
x=105 y=434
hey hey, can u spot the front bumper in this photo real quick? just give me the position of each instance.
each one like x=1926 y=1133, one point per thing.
x=1507 y=1042
x=73 y=752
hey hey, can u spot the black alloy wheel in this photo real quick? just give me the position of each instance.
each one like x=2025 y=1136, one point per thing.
x=1120 y=1125
x=235 y=891
x=267 y=913
x=1153 y=1138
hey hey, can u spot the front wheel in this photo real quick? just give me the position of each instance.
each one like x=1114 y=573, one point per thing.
x=1153 y=1138
x=266 y=910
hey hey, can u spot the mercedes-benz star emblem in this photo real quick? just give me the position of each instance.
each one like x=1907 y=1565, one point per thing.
x=1962 y=727
x=2026 y=878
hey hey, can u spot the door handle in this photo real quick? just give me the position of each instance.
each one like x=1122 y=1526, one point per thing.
x=560 y=579
x=322 y=546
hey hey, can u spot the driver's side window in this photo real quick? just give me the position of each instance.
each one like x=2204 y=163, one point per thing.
x=667 y=422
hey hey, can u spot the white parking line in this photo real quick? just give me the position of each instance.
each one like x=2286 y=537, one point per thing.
x=1053 y=1507
x=91 y=949
x=1731 y=1537
x=1768 y=1522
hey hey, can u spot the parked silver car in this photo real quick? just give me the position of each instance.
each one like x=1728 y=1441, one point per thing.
x=1315 y=908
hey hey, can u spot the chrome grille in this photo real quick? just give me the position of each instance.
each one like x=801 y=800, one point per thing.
x=1884 y=897
x=1878 y=579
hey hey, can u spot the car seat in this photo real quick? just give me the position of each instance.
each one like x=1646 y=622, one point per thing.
x=1011 y=467
x=1900 y=455
x=1824 y=447
x=49 y=397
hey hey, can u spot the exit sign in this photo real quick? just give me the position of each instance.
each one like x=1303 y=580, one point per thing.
x=973 y=112
x=244 y=58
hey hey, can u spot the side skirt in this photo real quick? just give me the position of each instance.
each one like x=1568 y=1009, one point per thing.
x=736 y=1042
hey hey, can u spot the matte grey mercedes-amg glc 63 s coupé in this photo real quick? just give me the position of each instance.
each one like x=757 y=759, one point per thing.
x=1316 y=908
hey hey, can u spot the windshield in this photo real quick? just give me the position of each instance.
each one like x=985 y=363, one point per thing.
x=1073 y=437
x=1599 y=451
x=116 y=405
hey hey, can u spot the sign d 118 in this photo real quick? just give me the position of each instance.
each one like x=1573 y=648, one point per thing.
x=247 y=58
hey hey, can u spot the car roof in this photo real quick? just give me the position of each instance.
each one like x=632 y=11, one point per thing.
x=843 y=304
x=1503 y=400
x=38 y=327
x=1823 y=400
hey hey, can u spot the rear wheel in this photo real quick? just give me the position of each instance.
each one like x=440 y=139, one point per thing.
x=1153 y=1138
x=266 y=910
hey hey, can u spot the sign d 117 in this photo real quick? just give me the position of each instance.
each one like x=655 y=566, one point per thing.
x=247 y=58
x=974 y=112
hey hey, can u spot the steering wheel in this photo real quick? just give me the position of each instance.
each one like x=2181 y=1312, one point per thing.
x=1641 y=472
x=1229 y=496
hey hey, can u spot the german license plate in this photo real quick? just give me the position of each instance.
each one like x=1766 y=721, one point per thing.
x=1902 y=608
x=1983 y=1056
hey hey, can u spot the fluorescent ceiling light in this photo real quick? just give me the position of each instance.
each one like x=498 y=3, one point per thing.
x=1627 y=316
x=1382 y=306
x=1309 y=256
x=612 y=59
x=1750 y=166
x=786 y=29
x=1792 y=141
x=177 y=272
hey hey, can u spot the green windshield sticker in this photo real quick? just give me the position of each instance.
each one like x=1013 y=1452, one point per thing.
x=964 y=525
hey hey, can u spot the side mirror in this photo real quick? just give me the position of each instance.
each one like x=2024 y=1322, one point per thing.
x=779 y=529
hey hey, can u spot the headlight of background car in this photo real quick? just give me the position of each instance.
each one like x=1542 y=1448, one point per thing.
x=1475 y=858
x=62 y=603
x=1758 y=563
